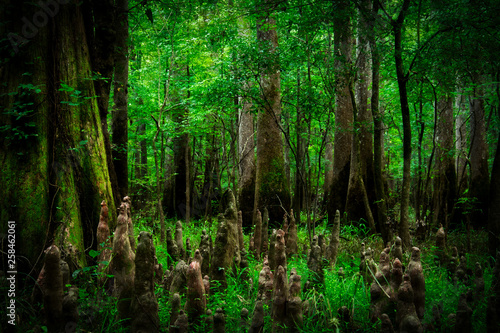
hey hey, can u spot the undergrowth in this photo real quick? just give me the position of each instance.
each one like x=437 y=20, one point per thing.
x=98 y=308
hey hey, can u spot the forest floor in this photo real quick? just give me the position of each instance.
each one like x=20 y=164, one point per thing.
x=345 y=288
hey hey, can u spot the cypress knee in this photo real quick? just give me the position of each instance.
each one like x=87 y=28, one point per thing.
x=130 y=225
x=178 y=239
x=196 y=303
x=280 y=296
x=334 y=240
x=291 y=237
x=406 y=314
x=53 y=289
x=219 y=321
x=257 y=325
x=144 y=306
x=123 y=264
x=294 y=318
x=417 y=282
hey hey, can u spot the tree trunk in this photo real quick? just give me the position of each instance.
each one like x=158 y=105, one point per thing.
x=328 y=168
x=479 y=181
x=181 y=145
x=355 y=207
x=119 y=125
x=144 y=164
x=246 y=144
x=101 y=39
x=271 y=189
x=344 y=111
x=211 y=184
x=159 y=205
x=141 y=161
x=445 y=176
x=378 y=134
x=461 y=148
x=187 y=160
x=300 y=158
x=357 y=196
x=404 y=223
x=494 y=209
x=55 y=174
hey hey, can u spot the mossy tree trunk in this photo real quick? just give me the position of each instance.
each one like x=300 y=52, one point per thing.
x=101 y=39
x=271 y=188
x=55 y=174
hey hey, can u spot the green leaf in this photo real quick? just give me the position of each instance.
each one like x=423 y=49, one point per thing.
x=94 y=253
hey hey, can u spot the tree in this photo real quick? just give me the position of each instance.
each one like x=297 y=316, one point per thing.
x=361 y=167
x=445 y=175
x=344 y=110
x=271 y=188
x=378 y=127
x=54 y=165
x=101 y=39
x=479 y=180
x=403 y=76
x=494 y=205
x=119 y=125
x=246 y=144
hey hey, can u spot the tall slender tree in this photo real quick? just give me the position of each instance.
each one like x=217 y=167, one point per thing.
x=246 y=144
x=119 y=125
x=343 y=109
x=479 y=180
x=445 y=175
x=402 y=77
x=271 y=188
x=378 y=125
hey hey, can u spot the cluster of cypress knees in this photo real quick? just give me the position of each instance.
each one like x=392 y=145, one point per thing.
x=397 y=294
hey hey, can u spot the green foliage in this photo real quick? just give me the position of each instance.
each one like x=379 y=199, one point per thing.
x=20 y=121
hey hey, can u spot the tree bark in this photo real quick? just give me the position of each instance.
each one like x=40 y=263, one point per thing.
x=271 y=189
x=357 y=189
x=494 y=205
x=344 y=111
x=328 y=168
x=378 y=133
x=101 y=39
x=300 y=158
x=56 y=174
x=142 y=167
x=404 y=223
x=246 y=144
x=361 y=165
x=461 y=148
x=479 y=182
x=119 y=125
x=445 y=176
